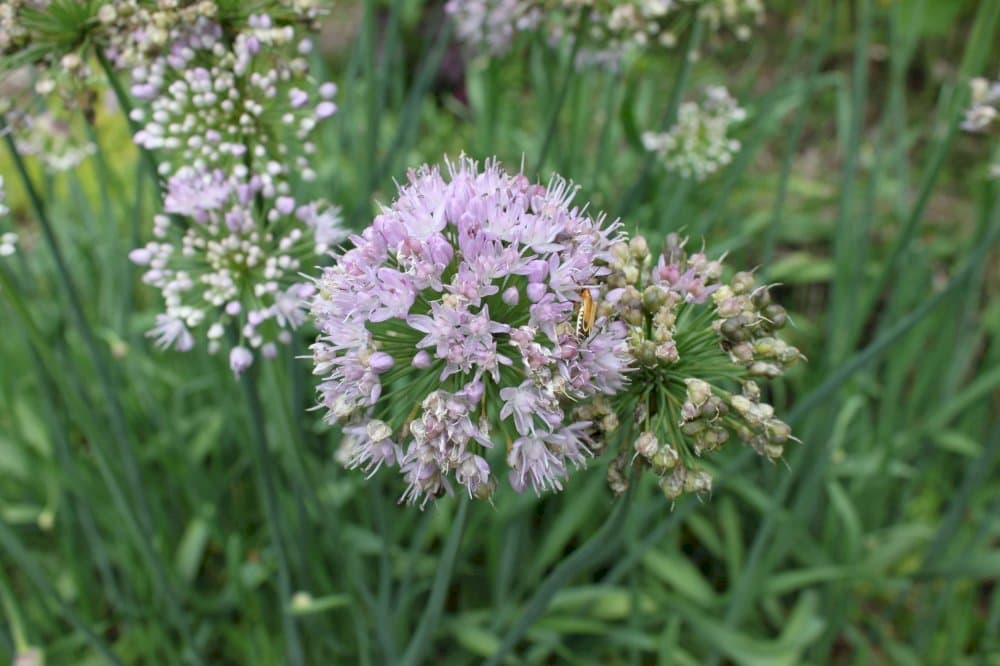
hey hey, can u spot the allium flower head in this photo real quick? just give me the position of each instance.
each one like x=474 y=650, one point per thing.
x=218 y=100
x=491 y=25
x=226 y=100
x=984 y=107
x=700 y=346
x=450 y=327
x=236 y=263
x=699 y=143
x=614 y=29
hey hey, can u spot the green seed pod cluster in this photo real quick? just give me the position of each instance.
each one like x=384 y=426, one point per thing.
x=699 y=346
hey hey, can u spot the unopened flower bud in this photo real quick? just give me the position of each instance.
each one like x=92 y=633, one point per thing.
x=378 y=431
x=698 y=390
x=742 y=353
x=776 y=315
x=485 y=491
x=646 y=445
x=653 y=298
x=107 y=14
x=617 y=479
x=778 y=431
x=620 y=251
x=697 y=481
x=743 y=282
x=761 y=297
x=673 y=484
x=665 y=458
x=765 y=369
x=667 y=352
x=638 y=247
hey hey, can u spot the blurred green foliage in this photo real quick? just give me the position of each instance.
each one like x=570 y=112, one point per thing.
x=132 y=522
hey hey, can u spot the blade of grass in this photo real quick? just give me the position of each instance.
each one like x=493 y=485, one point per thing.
x=424 y=633
x=595 y=550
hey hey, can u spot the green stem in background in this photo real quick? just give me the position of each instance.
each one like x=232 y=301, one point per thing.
x=594 y=551
x=79 y=319
x=442 y=580
x=27 y=564
x=15 y=624
x=373 y=80
x=792 y=145
x=126 y=105
x=567 y=77
x=266 y=482
x=75 y=404
x=409 y=118
x=638 y=188
x=383 y=604
x=843 y=293
x=752 y=571
x=604 y=142
x=115 y=414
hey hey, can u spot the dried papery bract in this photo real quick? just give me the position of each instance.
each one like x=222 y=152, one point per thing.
x=449 y=330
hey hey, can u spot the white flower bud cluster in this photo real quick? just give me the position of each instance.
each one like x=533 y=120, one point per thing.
x=8 y=240
x=14 y=34
x=699 y=143
x=220 y=104
x=225 y=102
x=984 y=105
x=737 y=16
x=233 y=265
x=615 y=28
x=52 y=141
x=491 y=25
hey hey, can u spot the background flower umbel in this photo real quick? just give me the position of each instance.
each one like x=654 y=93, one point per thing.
x=449 y=326
x=699 y=143
x=227 y=105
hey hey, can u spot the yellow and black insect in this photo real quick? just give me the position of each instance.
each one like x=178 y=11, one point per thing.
x=587 y=314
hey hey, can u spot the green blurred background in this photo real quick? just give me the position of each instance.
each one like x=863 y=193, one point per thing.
x=147 y=515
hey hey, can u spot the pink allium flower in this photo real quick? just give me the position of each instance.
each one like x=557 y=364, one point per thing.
x=237 y=262
x=452 y=320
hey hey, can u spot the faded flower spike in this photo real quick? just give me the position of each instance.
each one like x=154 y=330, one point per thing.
x=449 y=337
x=700 y=345
x=699 y=144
